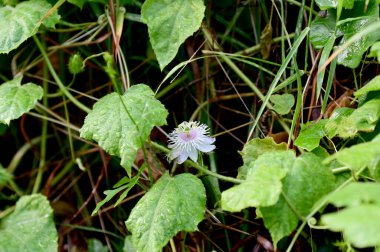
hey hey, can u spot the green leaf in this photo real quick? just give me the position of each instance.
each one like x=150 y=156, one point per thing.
x=282 y=104
x=338 y=123
x=306 y=182
x=355 y=194
x=128 y=245
x=255 y=148
x=310 y=135
x=173 y=204
x=322 y=29
x=94 y=245
x=170 y=24
x=373 y=85
x=326 y=4
x=360 y=220
x=375 y=51
x=262 y=186
x=30 y=227
x=17 y=99
x=352 y=22
x=5 y=176
x=19 y=23
x=358 y=156
x=120 y=124
x=359 y=224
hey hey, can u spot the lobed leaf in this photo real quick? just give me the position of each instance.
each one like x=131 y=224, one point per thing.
x=360 y=220
x=173 y=204
x=120 y=124
x=306 y=182
x=30 y=227
x=19 y=23
x=17 y=99
x=262 y=186
x=170 y=24
x=255 y=148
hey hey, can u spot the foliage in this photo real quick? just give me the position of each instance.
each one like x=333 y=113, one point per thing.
x=293 y=105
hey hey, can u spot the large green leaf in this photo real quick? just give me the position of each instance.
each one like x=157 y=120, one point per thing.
x=306 y=182
x=120 y=124
x=19 y=23
x=173 y=204
x=360 y=220
x=255 y=148
x=170 y=23
x=263 y=185
x=30 y=227
x=326 y=4
x=359 y=224
x=360 y=155
x=17 y=99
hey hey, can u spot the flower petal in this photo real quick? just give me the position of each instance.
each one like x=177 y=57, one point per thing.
x=194 y=155
x=207 y=139
x=182 y=157
x=206 y=147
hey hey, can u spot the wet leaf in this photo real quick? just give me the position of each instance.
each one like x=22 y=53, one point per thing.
x=17 y=99
x=30 y=227
x=173 y=204
x=120 y=124
x=19 y=23
x=170 y=24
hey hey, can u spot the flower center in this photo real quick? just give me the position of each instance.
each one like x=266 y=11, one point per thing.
x=188 y=136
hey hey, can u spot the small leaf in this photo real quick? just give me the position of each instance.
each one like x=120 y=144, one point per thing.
x=120 y=124
x=5 y=176
x=306 y=182
x=30 y=227
x=262 y=186
x=19 y=23
x=310 y=135
x=255 y=148
x=170 y=24
x=173 y=204
x=373 y=85
x=282 y=104
x=17 y=99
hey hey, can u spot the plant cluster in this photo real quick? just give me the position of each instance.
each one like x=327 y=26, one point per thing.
x=189 y=125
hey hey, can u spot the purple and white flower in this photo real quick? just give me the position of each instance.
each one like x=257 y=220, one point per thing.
x=189 y=138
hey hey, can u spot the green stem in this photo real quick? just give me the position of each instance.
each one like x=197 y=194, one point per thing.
x=41 y=166
x=57 y=79
x=163 y=149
